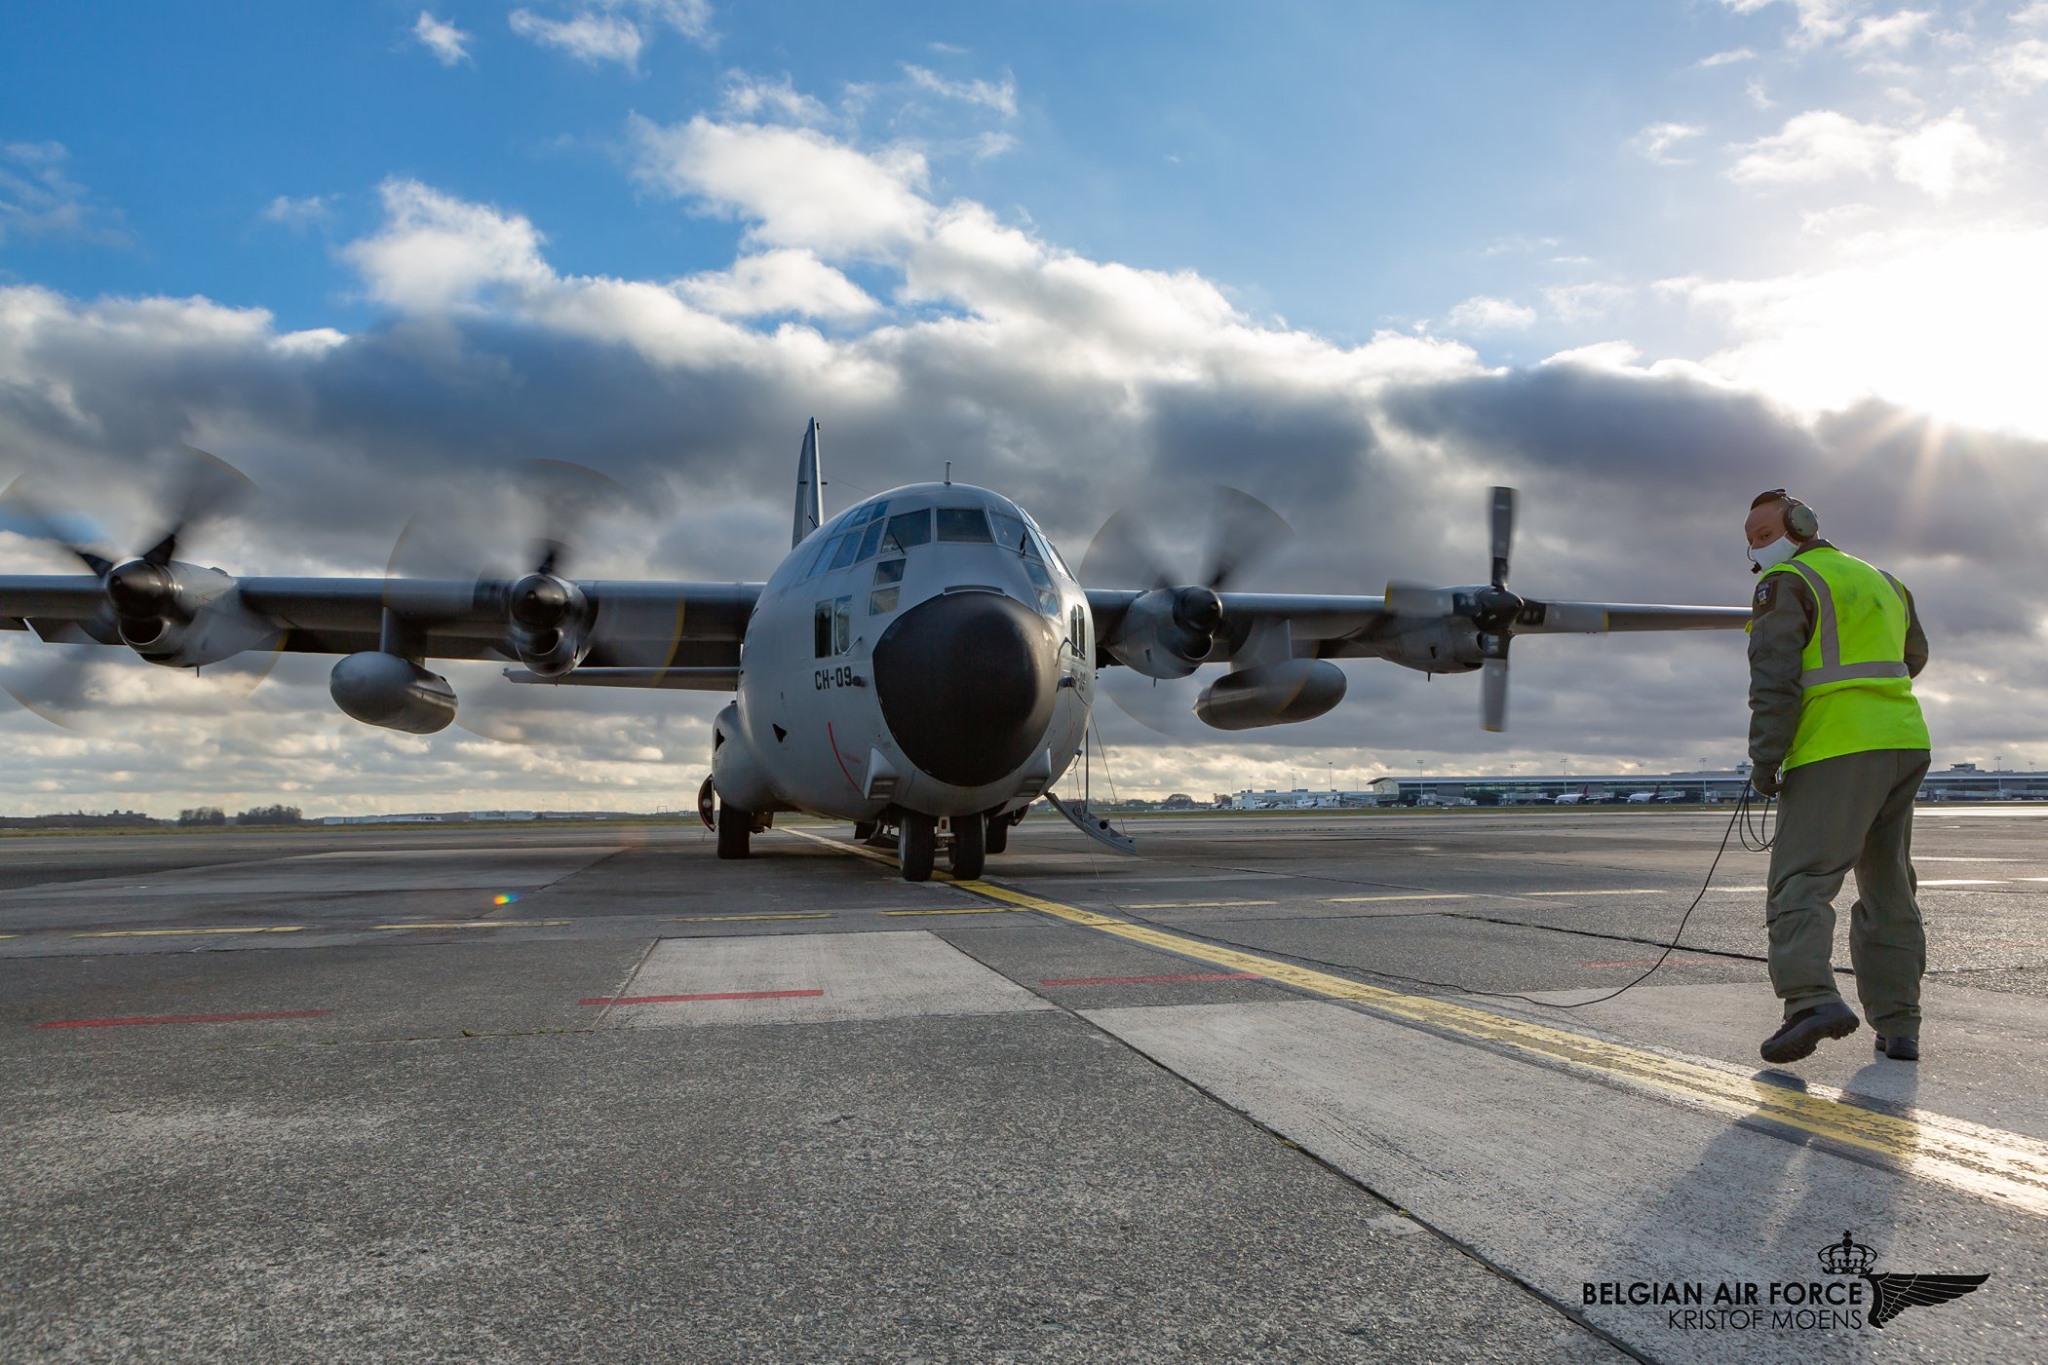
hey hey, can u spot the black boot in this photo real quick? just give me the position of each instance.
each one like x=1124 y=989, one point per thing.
x=1899 y=1049
x=1804 y=1030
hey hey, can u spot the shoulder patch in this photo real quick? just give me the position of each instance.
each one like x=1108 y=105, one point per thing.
x=1766 y=594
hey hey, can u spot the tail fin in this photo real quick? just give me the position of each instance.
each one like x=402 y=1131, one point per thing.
x=810 y=489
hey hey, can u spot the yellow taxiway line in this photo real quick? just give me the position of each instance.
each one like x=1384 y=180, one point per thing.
x=725 y=919
x=476 y=924
x=1988 y=1163
x=167 y=933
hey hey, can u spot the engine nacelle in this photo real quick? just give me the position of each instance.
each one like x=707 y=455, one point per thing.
x=550 y=620
x=396 y=694
x=182 y=615
x=736 y=771
x=1271 y=694
x=1167 y=632
x=1433 y=647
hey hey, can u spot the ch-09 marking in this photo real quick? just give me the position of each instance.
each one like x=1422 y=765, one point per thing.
x=842 y=676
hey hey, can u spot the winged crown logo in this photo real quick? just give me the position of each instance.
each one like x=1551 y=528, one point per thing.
x=1893 y=1294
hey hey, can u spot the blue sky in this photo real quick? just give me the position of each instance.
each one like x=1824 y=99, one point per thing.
x=1643 y=255
x=1345 y=166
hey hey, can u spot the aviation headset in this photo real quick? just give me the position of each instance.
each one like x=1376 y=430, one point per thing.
x=1802 y=521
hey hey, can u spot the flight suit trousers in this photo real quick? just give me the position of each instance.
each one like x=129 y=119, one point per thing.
x=1853 y=811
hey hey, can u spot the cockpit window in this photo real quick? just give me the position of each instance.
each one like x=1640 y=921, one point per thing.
x=849 y=545
x=870 y=540
x=963 y=525
x=907 y=529
x=1009 y=531
x=1051 y=551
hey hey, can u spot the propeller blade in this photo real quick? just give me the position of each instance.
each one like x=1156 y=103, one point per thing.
x=24 y=516
x=1163 y=706
x=1493 y=696
x=1419 y=599
x=56 y=691
x=206 y=488
x=1155 y=547
x=1243 y=533
x=1502 y=515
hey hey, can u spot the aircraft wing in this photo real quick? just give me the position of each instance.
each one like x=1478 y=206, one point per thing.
x=1331 y=626
x=650 y=626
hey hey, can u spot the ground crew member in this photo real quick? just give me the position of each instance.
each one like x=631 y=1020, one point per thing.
x=1836 y=733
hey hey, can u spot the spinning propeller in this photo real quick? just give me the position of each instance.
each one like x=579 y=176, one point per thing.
x=1160 y=548
x=145 y=593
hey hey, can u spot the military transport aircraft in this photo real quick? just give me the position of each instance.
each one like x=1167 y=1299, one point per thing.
x=924 y=663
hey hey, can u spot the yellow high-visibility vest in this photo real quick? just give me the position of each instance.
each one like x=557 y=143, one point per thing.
x=1858 y=694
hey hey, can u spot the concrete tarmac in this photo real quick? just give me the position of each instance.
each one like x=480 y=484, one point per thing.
x=1287 y=1087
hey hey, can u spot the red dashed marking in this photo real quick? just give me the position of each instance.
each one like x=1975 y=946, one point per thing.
x=682 y=999
x=1146 y=980
x=243 y=1018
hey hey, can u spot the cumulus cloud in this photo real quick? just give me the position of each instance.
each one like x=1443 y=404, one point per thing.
x=1074 y=384
x=756 y=98
x=615 y=30
x=1483 y=313
x=1944 y=156
x=449 y=44
x=795 y=186
x=2024 y=65
x=301 y=212
x=436 y=251
x=1812 y=147
x=786 y=281
x=1655 y=142
x=1890 y=31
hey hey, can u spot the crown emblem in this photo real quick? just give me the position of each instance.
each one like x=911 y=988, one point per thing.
x=1847 y=1257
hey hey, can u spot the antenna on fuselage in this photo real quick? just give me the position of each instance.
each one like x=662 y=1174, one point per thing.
x=810 y=489
x=949 y=473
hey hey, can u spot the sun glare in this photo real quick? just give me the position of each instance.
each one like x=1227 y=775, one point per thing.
x=1950 y=326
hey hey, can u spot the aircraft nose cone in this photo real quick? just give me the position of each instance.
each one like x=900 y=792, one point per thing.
x=967 y=683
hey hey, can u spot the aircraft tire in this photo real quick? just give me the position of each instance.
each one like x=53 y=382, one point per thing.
x=863 y=830
x=917 y=846
x=735 y=831
x=970 y=846
x=998 y=839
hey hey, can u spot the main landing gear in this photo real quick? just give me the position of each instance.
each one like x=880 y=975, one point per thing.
x=917 y=845
x=735 y=831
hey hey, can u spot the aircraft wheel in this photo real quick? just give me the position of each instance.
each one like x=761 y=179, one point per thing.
x=735 y=831
x=917 y=846
x=863 y=830
x=970 y=846
x=998 y=839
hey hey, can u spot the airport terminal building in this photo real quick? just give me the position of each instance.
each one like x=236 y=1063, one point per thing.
x=1959 y=782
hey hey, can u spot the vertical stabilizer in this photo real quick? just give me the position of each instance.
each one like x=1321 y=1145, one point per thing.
x=810 y=489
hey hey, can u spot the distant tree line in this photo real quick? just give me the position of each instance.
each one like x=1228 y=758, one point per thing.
x=114 y=819
x=257 y=815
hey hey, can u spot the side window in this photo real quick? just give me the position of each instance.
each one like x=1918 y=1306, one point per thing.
x=821 y=630
x=889 y=571
x=907 y=529
x=842 y=625
x=882 y=601
x=963 y=525
x=1048 y=600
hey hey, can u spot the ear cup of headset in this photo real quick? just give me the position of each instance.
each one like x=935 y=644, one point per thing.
x=1801 y=520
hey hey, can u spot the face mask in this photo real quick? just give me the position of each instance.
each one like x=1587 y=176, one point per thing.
x=1773 y=554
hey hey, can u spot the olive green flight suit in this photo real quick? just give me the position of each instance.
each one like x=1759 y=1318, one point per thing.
x=1843 y=812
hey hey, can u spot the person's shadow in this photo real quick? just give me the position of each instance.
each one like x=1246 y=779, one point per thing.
x=1757 y=1205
